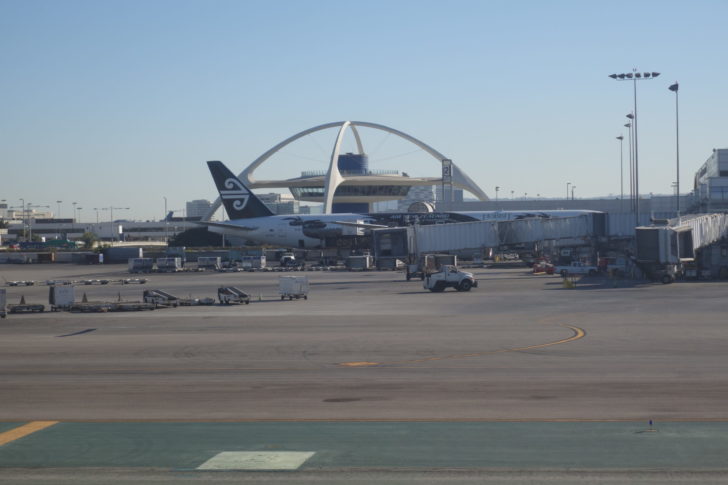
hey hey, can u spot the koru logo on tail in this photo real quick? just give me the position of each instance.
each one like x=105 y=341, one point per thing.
x=235 y=191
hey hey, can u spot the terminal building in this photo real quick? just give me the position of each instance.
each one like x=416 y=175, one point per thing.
x=711 y=182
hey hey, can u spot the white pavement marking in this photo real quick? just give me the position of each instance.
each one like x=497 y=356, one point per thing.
x=257 y=460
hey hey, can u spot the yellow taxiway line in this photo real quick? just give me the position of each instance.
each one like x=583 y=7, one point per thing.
x=24 y=430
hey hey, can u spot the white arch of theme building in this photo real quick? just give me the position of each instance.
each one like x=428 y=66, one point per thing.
x=334 y=177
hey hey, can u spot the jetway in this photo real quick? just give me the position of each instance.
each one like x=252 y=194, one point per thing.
x=402 y=242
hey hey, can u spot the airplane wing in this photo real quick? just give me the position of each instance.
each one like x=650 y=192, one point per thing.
x=360 y=224
x=226 y=226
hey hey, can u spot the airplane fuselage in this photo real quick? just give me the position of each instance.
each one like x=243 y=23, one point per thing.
x=311 y=231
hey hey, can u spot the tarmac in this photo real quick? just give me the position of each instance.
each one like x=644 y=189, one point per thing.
x=520 y=380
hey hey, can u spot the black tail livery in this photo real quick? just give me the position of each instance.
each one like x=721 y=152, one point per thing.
x=239 y=202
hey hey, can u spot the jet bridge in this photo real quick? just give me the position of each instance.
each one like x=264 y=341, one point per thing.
x=402 y=242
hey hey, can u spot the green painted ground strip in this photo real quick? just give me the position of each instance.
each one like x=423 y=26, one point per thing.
x=8 y=426
x=530 y=445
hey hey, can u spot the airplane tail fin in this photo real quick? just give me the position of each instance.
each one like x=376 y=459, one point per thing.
x=239 y=201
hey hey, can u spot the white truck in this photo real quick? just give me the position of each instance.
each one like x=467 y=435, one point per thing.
x=449 y=277
x=576 y=268
x=293 y=287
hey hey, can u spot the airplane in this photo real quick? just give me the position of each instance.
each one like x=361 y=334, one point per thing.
x=253 y=220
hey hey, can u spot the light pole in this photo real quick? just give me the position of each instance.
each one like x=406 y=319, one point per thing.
x=111 y=218
x=567 y=190
x=496 y=193
x=73 y=216
x=512 y=192
x=631 y=164
x=30 y=219
x=166 y=222
x=674 y=88
x=621 y=173
x=97 y=215
x=22 y=215
x=58 y=215
x=635 y=76
x=572 y=191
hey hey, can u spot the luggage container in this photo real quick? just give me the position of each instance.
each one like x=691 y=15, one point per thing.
x=293 y=287
x=209 y=262
x=141 y=265
x=169 y=265
x=61 y=297
x=252 y=262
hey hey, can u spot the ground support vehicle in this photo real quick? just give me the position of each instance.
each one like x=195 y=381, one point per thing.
x=429 y=263
x=288 y=260
x=231 y=295
x=449 y=277
x=543 y=267
x=576 y=268
x=293 y=287
x=160 y=298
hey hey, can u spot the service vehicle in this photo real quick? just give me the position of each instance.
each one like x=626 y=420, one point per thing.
x=449 y=277
x=429 y=263
x=3 y=302
x=543 y=267
x=288 y=260
x=576 y=268
x=293 y=287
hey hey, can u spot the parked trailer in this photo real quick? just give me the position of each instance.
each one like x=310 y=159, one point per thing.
x=169 y=265
x=26 y=308
x=293 y=287
x=209 y=262
x=3 y=302
x=141 y=265
x=232 y=295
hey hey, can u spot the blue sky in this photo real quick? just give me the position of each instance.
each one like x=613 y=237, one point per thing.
x=121 y=102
